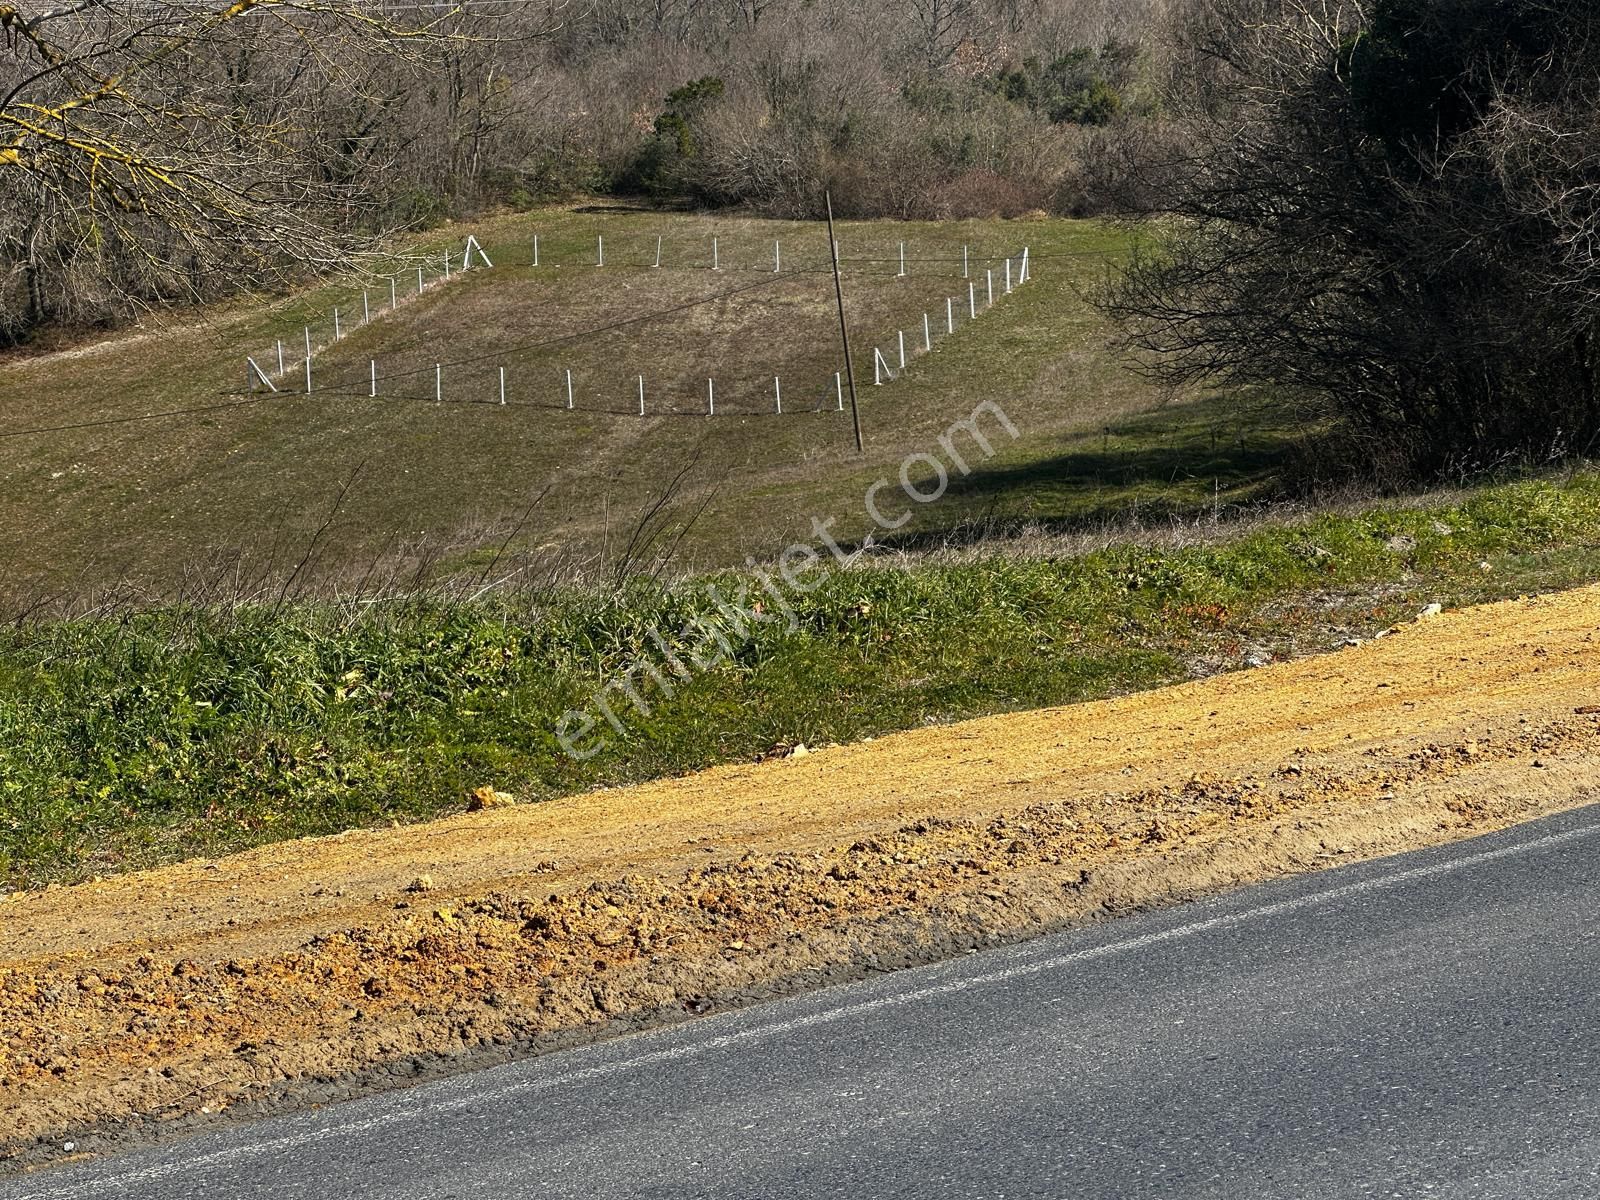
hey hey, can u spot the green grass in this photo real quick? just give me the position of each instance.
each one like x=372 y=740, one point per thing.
x=287 y=613
x=154 y=734
x=162 y=502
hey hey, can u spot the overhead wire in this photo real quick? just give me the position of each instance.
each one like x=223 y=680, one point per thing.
x=129 y=420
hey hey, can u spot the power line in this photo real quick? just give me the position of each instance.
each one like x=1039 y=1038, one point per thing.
x=503 y=353
x=155 y=416
x=629 y=412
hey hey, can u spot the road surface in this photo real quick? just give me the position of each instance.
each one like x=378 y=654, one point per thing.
x=1417 y=1027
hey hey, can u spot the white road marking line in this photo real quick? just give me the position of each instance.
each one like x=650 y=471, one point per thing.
x=673 y=1054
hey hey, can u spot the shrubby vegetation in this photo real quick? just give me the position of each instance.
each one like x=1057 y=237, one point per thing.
x=145 y=736
x=243 y=146
x=1083 y=87
x=1391 y=211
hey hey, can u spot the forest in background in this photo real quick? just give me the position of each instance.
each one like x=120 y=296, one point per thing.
x=917 y=109
x=1386 y=210
x=172 y=155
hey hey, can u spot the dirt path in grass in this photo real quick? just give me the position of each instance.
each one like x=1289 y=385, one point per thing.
x=315 y=970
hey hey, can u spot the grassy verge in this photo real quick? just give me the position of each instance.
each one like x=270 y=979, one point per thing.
x=155 y=735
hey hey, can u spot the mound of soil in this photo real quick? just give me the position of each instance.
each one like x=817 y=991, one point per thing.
x=144 y=1005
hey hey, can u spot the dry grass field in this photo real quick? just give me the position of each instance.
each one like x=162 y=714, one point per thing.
x=139 y=460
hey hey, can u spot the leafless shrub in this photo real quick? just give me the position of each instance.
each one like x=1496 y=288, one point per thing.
x=1389 y=210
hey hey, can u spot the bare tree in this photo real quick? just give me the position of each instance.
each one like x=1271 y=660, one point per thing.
x=941 y=27
x=152 y=150
x=1388 y=209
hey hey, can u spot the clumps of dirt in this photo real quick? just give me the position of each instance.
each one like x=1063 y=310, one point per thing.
x=440 y=982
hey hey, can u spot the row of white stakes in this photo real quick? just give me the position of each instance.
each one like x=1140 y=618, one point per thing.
x=880 y=365
x=472 y=248
x=711 y=389
x=716 y=253
x=777 y=255
x=438 y=386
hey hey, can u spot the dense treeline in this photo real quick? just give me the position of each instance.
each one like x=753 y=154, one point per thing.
x=1392 y=210
x=1386 y=207
x=153 y=152
x=905 y=108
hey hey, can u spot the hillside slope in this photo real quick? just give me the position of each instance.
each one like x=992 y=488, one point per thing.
x=144 y=458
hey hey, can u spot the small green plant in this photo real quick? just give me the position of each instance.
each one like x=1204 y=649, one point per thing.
x=662 y=166
x=1082 y=87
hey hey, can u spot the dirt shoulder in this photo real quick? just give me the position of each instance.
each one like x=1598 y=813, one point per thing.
x=151 y=1003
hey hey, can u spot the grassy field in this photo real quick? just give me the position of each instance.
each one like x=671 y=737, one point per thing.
x=284 y=617
x=337 y=485
x=149 y=736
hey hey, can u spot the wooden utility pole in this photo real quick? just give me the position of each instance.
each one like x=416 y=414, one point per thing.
x=844 y=329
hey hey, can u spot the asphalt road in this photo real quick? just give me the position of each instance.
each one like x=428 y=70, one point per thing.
x=1424 y=1026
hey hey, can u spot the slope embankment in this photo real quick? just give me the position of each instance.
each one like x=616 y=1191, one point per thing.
x=310 y=971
